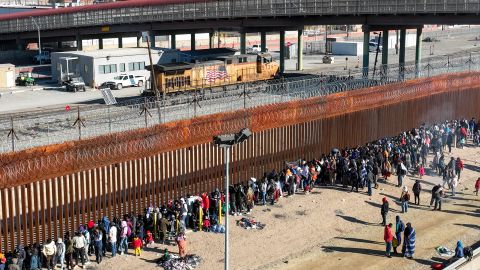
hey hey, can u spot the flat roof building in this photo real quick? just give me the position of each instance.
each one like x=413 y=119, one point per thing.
x=97 y=67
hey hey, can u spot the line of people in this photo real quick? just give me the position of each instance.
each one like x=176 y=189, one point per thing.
x=358 y=167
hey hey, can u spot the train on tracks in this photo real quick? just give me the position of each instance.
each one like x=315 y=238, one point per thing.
x=218 y=72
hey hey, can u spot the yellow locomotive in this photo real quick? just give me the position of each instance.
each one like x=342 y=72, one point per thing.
x=221 y=71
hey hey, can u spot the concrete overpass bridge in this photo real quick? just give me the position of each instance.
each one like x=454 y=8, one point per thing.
x=170 y=17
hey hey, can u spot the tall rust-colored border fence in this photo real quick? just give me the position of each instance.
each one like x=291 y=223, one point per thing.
x=47 y=191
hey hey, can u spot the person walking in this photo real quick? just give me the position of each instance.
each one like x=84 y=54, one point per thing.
x=384 y=210
x=60 y=254
x=369 y=180
x=477 y=186
x=409 y=241
x=458 y=167
x=388 y=237
x=112 y=236
x=404 y=199
x=399 y=229
x=453 y=184
x=417 y=188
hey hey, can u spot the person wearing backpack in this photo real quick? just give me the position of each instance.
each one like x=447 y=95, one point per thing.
x=60 y=254
x=404 y=199
x=417 y=188
x=399 y=228
x=49 y=250
x=123 y=247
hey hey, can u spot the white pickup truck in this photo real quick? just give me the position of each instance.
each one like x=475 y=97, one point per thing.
x=126 y=80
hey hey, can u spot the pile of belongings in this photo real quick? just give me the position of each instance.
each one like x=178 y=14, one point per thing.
x=218 y=228
x=174 y=262
x=250 y=223
x=444 y=252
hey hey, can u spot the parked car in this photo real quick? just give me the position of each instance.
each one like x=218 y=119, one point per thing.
x=373 y=46
x=75 y=84
x=256 y=49
x=126 y=80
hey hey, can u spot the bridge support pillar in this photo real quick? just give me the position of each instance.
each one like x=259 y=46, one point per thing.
x=152 y=40
x=282 y=51
x=120 y=42
x=138 y=41
x=401 y=55
x=385 y=47
x=243 y=43
x=300 y=50
x=211 y=40
x=366 y=51
x=79 y=42
x=173 y=41
x=263 y=41
x=192 y=41
x=100 y=43
x=418 y=52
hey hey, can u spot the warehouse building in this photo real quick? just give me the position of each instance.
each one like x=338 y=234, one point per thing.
x=97 y=67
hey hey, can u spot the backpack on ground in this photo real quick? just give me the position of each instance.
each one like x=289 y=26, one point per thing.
x=468 y=253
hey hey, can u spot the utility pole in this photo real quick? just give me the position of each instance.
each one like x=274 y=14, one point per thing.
x=39 y=41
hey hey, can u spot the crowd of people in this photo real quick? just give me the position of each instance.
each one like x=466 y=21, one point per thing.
x=348 y=168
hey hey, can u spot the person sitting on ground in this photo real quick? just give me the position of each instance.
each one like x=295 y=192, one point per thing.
x=149 y=239
x=459 y=250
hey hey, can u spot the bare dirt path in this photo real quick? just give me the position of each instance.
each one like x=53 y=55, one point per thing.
x=335 y=229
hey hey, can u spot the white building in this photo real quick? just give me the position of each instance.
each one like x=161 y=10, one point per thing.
x=97 y=67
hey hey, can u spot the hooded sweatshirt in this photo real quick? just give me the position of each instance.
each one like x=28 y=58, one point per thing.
x=388 y=235
x=385 y=207
x=124 y=229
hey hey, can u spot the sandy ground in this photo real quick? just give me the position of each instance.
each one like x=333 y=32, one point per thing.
x=334 y=229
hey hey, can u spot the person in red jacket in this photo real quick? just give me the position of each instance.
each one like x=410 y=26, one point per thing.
x=388 y=237
x=137 y=245
x=477 y=186
x=149 y=239
x=458 y=167
x=206 y=203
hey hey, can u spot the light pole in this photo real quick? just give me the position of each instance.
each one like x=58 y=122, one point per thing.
x=226 y=142
x=39 y=42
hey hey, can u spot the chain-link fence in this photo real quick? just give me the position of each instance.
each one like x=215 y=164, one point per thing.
x=23 y=131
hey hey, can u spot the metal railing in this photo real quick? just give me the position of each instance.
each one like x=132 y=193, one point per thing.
x=231 y=9
x=23 y=131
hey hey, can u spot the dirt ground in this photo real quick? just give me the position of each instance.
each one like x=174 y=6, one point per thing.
x=335 y=229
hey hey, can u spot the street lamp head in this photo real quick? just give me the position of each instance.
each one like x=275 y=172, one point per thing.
x=243 y=135
x=232 y=139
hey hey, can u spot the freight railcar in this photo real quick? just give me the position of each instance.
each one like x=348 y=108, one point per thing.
x=222 y=71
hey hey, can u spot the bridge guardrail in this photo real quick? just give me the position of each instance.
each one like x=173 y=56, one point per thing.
x=230 y=9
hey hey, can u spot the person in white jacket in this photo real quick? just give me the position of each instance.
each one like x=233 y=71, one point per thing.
x=112 y=235
x=49 y=250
